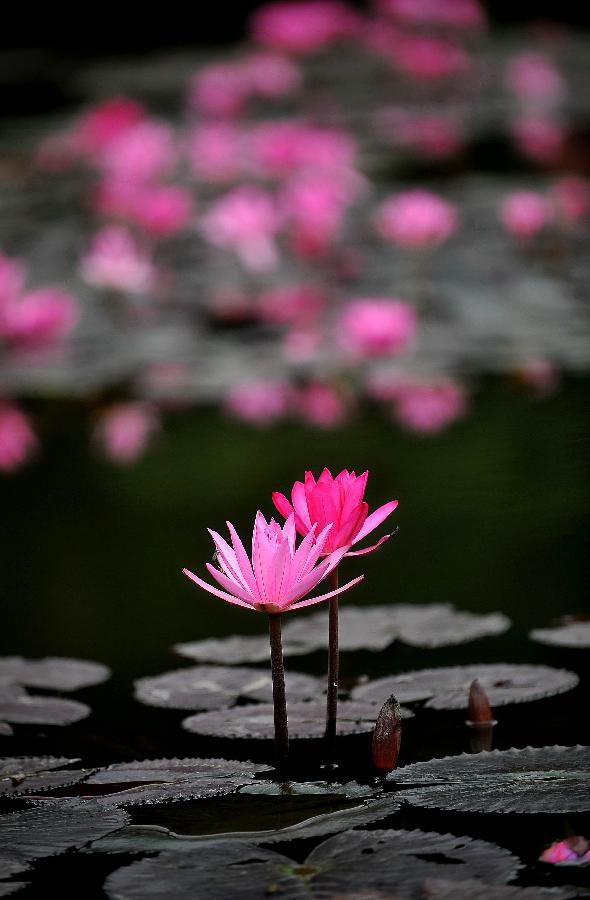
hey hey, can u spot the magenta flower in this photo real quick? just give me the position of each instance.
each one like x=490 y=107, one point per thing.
x=258 y=402
x=245 y=220
x=38 y=318
x=337 y=502
x=416 y=219
x=279 y=574
x=376 y=327
x=429 y=408
x=524 y=214
x=302 y=27
x=123 y=431
x=116 y=262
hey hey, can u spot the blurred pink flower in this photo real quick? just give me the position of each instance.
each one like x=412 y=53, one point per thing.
x=302 y=27
x=337 y=502
x=17 y=439
x=141 y=153
x=299 y=303
x=376 y=327
x=428 y=408
x=416 y=219
x=427 y=58
x=104 y=123
x=216 y=152
x=281 y=148
x=314 y=206
x=540 y=138
x=38 y=318
x=278 y=575
x=271 y=75
x=245 y=220
x=116 y=262
x=322 y=406
x=220 y=90
x=259 y=402
x=533 y=76
x=161 y=210
x=433 y=136
x=570 y=197
x=301 y=344
x=524 y=214
x=461 y=14
x=122 y=431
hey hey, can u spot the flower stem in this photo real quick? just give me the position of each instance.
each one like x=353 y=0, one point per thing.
x=332 y=704
x=279 y=697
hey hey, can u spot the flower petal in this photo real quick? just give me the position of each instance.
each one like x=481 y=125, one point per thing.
x=371 y=549
x=235 y=589
x=299 y=497
x=243 y=560
x=327 y=596
x=282 y=504
x=375 y=519
x=213 y=590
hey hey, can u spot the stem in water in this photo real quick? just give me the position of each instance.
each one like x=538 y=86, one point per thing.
x=279 y=696
x=332 y=704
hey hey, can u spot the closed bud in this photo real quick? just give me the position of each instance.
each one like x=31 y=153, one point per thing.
x=479 y=710
x=387 y=736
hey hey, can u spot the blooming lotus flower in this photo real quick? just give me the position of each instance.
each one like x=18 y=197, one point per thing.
x=461 y=14
x=279 y=574
x=115 y=262
x=376 y=327
x=322 y=406
x=416 y=219
x=337 y=501
x=103 y=123
x=429 y=408
x=123 y=431
x=524 y=214
x=245 y=220
x=141 y=153
x=302 y=27
x=38 y=318
x=258 y=402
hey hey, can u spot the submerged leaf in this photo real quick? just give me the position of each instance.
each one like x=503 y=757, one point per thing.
x=532 y=780
x=342 y=866
x=448 y=687
x=573 y=634
x=25 y=774
x=52 y=673
x=214 y=687
x=306 y=720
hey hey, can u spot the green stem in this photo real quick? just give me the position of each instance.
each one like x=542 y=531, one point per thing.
x=279 y=697
x=332 y=702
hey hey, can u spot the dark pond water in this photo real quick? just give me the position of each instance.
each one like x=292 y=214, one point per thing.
x=492 y=516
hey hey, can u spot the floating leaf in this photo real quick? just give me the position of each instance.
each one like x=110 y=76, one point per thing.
x=25 y=774
x=437 y=889
x=544 y=780
x=227 y=651
x=155 y=838
x=21 y=708
x=375 y=627
x=573 y=634
x=448 y=687
x=11 y=887
x=167 y=780
x=213 y=687
x=47 y=831
x=52 y=673
x=306 y=720
x=340 y=867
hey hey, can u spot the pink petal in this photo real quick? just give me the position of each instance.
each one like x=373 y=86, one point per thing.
x=375 y=519
x=299 y=498
x=217 y=593
x=305 y=584
x=282 y=504
x=243 y=561
x=227 y=558
x=231 y=586
x=351 y=528
x=299 y=562
x=325 y=477
x=327 y=596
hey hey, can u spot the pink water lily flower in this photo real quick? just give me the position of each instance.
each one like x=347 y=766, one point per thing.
x=279 y=574
x=337 y=501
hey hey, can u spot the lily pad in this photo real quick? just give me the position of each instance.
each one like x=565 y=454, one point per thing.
x=544 y=780
x=27 y=774
x=573 y=634
x=166 y=780
x=21 y=708
x=52 y=673
x=228 y=651
x=375 y=627
x=11 y=887
x=306 y=720
x=438 y=889
x=448 y=687
x=47 y=831
x=341 y=866
x=214 y=687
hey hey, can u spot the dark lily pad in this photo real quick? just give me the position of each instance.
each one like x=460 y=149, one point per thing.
x=448 y=687
x=376 y=862
x=166 y=780
x=544 y=780
x=11 y=887
x=228 y=651
x=50 y=830
x=306 y=720
x=21 y=708
x=573 y=634
x=52 y=673
x=214 y=687
x=375 y=627
x=437 y=889
x=27 y=774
